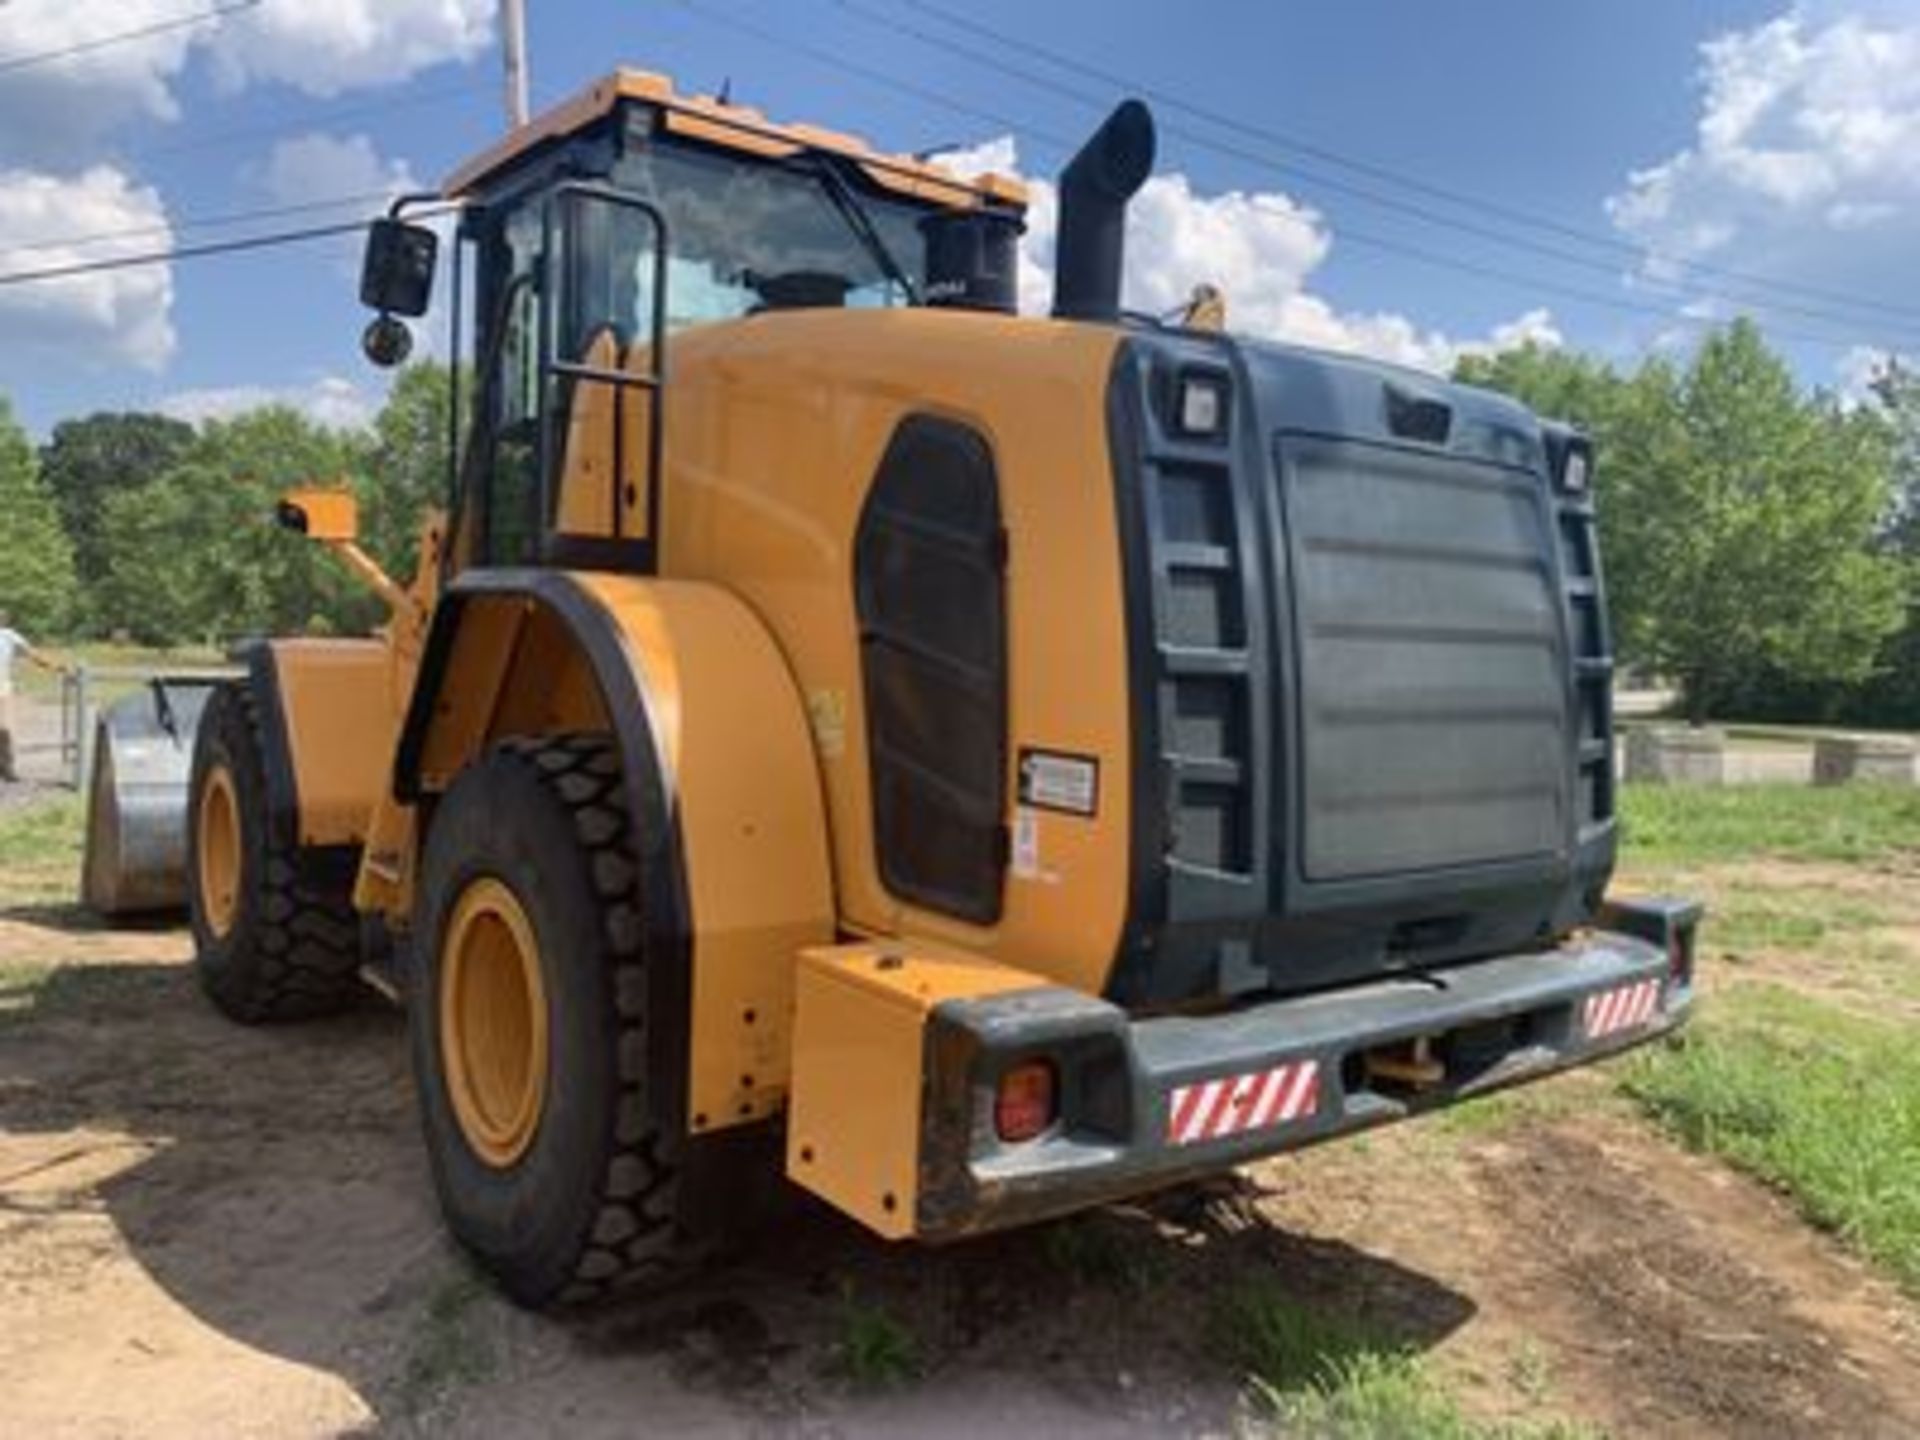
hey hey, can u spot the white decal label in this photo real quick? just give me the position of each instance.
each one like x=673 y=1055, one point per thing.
x=1055 y=780
x=1026 y=844
x=827 y=710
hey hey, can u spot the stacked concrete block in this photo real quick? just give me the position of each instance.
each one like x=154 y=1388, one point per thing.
x=1880 y=759
x=1676 y=755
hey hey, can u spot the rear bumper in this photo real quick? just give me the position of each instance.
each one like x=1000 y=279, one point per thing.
x=1146 y=1103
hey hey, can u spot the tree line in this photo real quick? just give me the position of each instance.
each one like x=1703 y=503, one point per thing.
x=1761 y=543
x=142 y=527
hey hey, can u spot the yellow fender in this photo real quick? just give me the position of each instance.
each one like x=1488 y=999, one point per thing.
x=721 y=780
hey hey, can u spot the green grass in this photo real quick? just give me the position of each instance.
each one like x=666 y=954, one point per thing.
x=1832 y=942
x=1753 y=734
x=873 y=1350
x=40 y=831
x=1691 y=824
x=1490 y=1114
x=447 y=1347
x=1842 y=943
x=1311 y=1373
x=1798 y=736
x=1820 y=1102
x=40 y=846
x=39 y=864
x=1380 y=1397
x=1789 y=918
x=1286 y=1346
x=22 y=983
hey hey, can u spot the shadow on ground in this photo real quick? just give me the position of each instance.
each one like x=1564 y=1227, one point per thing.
x=273 y=1185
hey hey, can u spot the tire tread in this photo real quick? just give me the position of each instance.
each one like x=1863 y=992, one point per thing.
x=634 y=1234
x=303 y=957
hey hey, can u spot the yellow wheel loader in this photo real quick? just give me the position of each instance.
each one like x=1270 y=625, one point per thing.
x=975 y=766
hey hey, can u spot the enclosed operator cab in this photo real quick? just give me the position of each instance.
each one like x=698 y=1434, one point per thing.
x=1009 y=762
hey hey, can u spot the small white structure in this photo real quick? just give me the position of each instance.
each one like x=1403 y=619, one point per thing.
x=1881 y=759
x=1676 y=755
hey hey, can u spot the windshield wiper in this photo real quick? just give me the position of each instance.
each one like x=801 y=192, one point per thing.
x=826 y=169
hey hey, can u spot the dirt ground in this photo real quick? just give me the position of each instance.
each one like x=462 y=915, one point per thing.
x=211 y=1230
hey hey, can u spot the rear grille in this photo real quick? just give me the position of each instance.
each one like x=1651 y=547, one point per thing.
x=1432 y=677
x=1369 y=670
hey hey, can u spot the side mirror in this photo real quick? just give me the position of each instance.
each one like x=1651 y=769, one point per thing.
x=320 y=513
x=396 y=277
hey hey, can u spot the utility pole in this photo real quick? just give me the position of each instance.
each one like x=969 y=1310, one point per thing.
x=513 y=46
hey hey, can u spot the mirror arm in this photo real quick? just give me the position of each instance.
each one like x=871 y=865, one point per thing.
x=410 y=198
x=367 y=570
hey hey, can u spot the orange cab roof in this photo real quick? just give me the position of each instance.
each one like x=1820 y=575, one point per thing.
x=740 y=127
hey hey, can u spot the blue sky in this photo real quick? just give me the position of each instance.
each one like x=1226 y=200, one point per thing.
x=1781 y=142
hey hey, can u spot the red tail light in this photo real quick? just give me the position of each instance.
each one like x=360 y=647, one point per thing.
x=1025 y=1104
x=1680 y=957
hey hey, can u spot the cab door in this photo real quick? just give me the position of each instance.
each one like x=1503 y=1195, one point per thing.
x=603 y=325
x=566 y=442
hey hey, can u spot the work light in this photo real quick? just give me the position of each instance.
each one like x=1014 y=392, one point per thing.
x=1203 y=405
x=1574 y=474
x=1569 y=457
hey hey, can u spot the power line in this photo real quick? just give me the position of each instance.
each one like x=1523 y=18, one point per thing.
x=203 y=251
x=1345 y=233
x=1509 y=213
x=886 y=80
x=101 y=42
x=1296 y=173
x=200 y=222
x=328 y=115
x=876 y=77
x=323 y=115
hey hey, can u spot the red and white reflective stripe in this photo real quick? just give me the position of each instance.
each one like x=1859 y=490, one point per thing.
x=1233 y=1104
x=1611 y=1011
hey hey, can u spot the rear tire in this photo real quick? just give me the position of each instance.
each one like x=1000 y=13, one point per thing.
x=274 y=930
x=589 y=1199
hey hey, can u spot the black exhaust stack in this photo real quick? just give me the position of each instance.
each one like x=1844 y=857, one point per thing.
x=1094 y=191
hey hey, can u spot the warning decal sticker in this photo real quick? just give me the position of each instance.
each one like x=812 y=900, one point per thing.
x=1056 y=780
x=1026 y=844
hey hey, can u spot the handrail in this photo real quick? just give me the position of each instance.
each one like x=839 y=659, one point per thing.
x=653 y=381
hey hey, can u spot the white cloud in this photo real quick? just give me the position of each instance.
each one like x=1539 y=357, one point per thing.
x=326 y=46
x=1805 y=163
x=320 y=165
x=1259 y=247
x=1536 y=327
x=110 y=315
x=104 y=71
x=330 y=400
x=51 y=112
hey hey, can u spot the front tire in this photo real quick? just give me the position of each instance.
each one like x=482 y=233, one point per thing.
x=274 y=931
x=529 y=1028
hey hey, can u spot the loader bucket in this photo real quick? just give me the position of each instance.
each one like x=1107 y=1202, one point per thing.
x=136 y=849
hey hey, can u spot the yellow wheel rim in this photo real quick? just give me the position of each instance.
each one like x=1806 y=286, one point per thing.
x=493 y=1022
x=219 y=851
